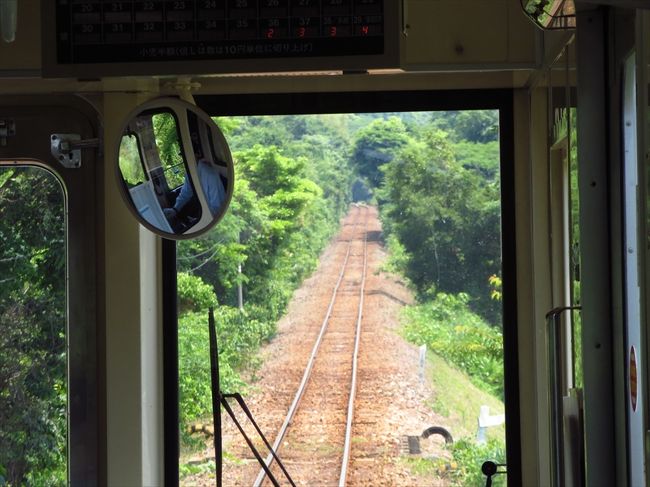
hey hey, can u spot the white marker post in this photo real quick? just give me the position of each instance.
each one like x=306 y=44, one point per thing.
x=485 y=420
x=423 y=358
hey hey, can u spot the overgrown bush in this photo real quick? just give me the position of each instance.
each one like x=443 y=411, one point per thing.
x=469 y=458
x=398 y=258
x=464 y=468
x=193 y=293
x=448 y=327
x=238 y=334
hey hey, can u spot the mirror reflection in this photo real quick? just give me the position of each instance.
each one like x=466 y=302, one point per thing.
x=176 y=170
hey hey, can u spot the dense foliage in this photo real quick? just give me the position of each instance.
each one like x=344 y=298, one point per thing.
x=447 y=326
x=376 y=145
x=32 y=328
x=469 y=458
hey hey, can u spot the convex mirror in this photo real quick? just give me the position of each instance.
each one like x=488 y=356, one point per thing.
x=175 y=169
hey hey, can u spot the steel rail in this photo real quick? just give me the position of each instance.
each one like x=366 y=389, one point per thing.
x=353 y=382
x=310 y=365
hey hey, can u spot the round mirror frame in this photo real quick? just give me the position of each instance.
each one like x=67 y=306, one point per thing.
x=179 y=109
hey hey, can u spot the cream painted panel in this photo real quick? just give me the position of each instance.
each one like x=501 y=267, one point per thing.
x=25 y=52
x=540 y=279
x=523 y=36
x=132 y=304
x=533 y=285
x=457 y=32
x=222 y=85
x=467 y=32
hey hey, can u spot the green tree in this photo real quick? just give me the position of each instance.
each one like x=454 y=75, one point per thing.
x=481 y=158
x=285 y=197
x=216 y=256
x=376 y=145
x=480 y=126
x=265 y=131
x=447 y=218
x=477 y=125
x=328 y=167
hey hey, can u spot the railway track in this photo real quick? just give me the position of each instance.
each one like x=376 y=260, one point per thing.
x=315 y=439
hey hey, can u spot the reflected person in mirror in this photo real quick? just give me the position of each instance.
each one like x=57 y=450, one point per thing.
x=187 y=208
x=186 y=211
x=211 y=185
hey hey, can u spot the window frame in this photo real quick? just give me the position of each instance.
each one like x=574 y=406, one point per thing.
x=372 y=102
x=37 y=118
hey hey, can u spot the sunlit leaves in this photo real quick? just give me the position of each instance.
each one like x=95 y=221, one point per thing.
x=32 y=328
x=446 y=215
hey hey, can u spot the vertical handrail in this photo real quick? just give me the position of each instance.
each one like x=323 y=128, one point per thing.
x=555 y=389
x=171 y=416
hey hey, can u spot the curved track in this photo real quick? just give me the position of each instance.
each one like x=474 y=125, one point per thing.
x=318 y=426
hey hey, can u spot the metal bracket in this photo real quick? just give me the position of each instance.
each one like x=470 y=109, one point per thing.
x=66 y=148
x=7 y=129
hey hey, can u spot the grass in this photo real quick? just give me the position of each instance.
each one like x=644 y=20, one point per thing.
x=427 y=467
x=459 y=400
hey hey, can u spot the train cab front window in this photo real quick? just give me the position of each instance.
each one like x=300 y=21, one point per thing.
x=33 y=328
x=358 y=299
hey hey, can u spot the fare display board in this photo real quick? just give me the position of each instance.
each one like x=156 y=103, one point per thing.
x=232 y=35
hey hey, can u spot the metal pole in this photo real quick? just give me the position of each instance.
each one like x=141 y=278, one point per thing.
x=240 y=287
x=216 y=398
x=240 y=290
x=170 y=363
x=557 y=390
x=594 y=135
